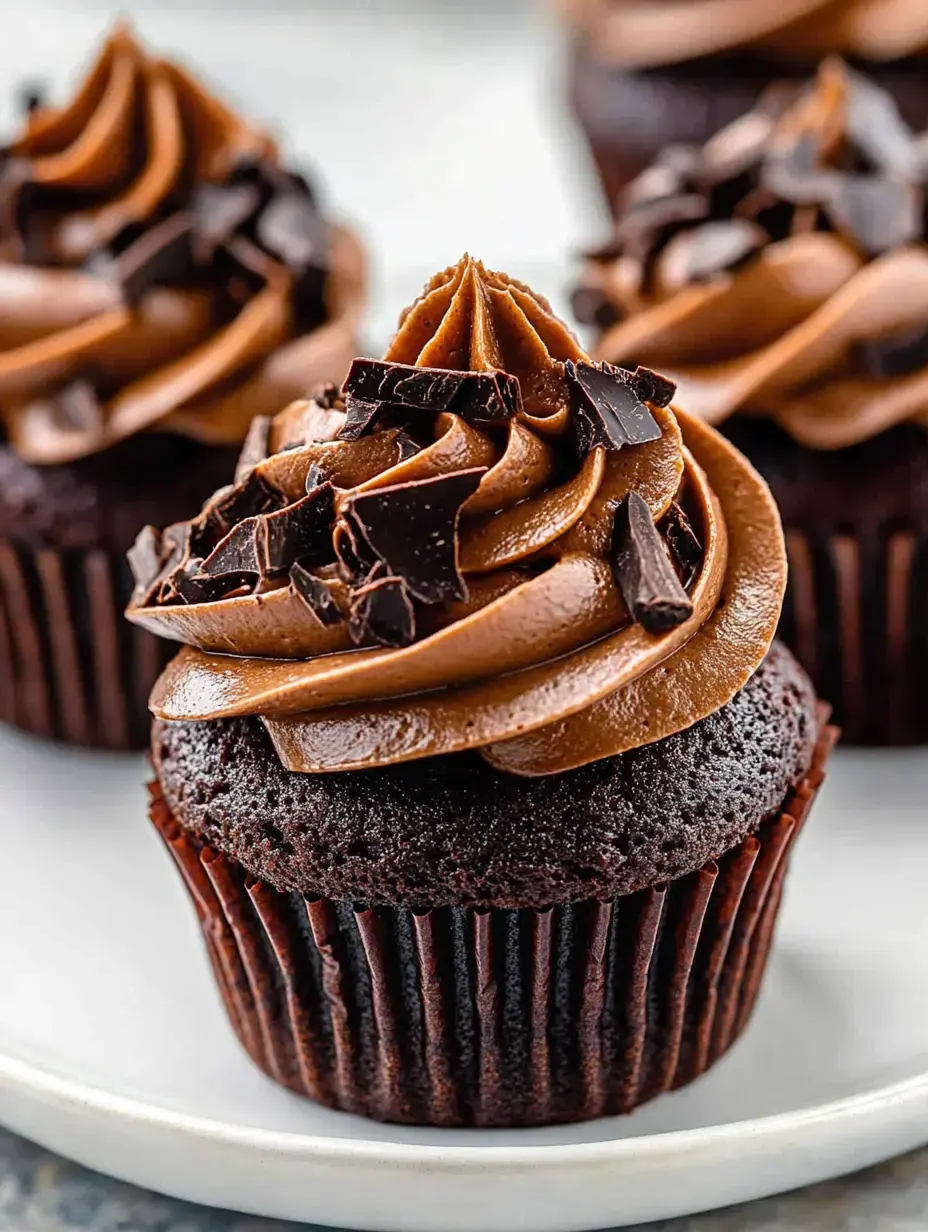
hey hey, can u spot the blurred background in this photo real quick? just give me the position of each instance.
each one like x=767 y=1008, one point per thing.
x=437 y=126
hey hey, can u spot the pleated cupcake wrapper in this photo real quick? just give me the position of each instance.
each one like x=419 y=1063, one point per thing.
x=500 y=1017
x=71 y=667
x=856 y=616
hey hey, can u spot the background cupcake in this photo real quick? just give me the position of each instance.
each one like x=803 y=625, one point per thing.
x=648 y=73
x=781 y=278
x=163 y=278
x=517 y=857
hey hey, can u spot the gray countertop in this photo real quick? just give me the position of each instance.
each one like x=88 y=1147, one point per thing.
x=41 y=1193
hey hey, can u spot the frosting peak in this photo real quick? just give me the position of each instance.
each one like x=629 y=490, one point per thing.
x=449 y=554
x=159 y=260
x=781 y=269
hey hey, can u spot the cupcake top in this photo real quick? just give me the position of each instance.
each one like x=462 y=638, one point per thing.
x=650 y=33
x=485 y=541
x=159 y=267
x=781 y=270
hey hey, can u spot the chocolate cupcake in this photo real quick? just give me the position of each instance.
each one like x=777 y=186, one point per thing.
x=645 y=74
x=164 y=278
x=780 y=276
x=478 y=762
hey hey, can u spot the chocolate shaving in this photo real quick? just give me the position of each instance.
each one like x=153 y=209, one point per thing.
x=714 y=248
x=408 y=448
x=250 y=498
x=684 y=545
x=413 y=527
x=608 y=411
x=291 y=228
x=876 y=127
x=894 y=355
x=256 y=448
x=315 y=477
x=738 y=148
x=878 y=214
x=194 y=586
x=315 y=594
x=653 y=387
x=219 y=211
x=643 y=570
x=645 y=217
x=271 y=543
x=374 y=386
x=382 y=611
x=352 y=551
x=161 y=255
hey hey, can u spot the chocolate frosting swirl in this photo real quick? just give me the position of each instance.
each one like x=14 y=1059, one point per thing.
x=533 y=556
x=650 y=33
x=159 y=268
x=782 y=269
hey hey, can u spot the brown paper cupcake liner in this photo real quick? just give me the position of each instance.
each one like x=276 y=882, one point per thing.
x=497 y=1017
x=856 y=616
x=71 y=667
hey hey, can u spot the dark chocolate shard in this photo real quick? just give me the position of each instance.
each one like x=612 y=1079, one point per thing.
x=269 y=544
x=643 y=571
x=413 y=529
x=898 y=354
x=713 y=248
x=219 y=210
x=315 y=477
x=652 y=387
x=796 y=174
x=355 y=556
x=407 y=447
x=878 y=214
x=145 y=560
x=382 y=611
x=256 y=448
x=592 y=306
x=684 y=545
x=248 y=499
x=373 y=386
x=738 y=148
x=607 y=408
x=653 y=216
x=193 y=586
x=876 y=127
x=292 y=229
x=164 y=254
x=360 y=418
x=315 y=594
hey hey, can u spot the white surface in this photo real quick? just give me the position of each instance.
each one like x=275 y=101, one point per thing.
x=114 y=1049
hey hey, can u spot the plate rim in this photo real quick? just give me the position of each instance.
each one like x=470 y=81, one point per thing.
x=33 y=1080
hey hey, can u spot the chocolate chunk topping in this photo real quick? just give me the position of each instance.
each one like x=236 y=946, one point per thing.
x=249 y=498
x=256 y=448
x=875 y=125
x=607 y=408
x=412 y=528
x=895 y=355
x=271 y=543
x=713 y=248
x=645 y=217
x=145 y=558
x=193 y=586
x=684 y=545
x=292 y=229
x=879 y=214
x=382 y=610
x=736 y=149
x=407 y=447
x=361 y=416
x=162 y=255
x=219 y=210
x=653 y=387
x=373 y=386
x=315 y=594
x=352 y=550
x=643 y=570
x=315 y=476
x=592 y=306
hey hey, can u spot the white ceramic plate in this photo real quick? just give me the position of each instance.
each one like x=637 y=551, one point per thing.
x=114 y=1049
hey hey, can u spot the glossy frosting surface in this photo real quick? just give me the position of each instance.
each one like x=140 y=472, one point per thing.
x=541 y=665
x=132 y=299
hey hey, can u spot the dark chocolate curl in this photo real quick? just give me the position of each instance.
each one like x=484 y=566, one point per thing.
x=643 y=571
x=413 y=529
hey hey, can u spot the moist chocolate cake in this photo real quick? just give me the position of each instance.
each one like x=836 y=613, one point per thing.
x=779 y=275
x=165 y=278
x=478 y=760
